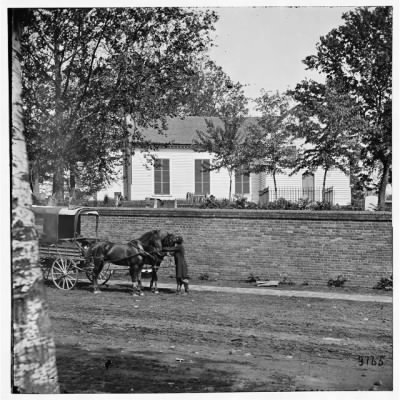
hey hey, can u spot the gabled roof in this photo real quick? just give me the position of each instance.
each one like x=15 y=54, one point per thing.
x=183 y=131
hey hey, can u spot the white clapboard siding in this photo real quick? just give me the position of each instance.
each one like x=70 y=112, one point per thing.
x=219 y=184
x=341 y=186
x=182 y=176
x=254 y=187
x=283 y=180
x=181 y=171
x=142 y=185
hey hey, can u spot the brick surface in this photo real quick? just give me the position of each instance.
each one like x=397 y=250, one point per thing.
x=232 y=244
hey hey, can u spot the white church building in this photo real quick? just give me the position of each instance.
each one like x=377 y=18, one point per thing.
x=179 y=171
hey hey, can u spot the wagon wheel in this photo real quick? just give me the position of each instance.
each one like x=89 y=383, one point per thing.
x=64 y=273
x=104 y=276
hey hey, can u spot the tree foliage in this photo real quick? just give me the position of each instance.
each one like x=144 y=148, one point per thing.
x=86 y=70
x=267 y=143
x=225 y=141
x=210 y=91
x=357 y=58
x=331 y=124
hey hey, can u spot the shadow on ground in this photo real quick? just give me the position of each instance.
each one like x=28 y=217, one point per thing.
x=119 y=371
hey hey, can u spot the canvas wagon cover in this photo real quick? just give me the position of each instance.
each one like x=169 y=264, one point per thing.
x=55 y=223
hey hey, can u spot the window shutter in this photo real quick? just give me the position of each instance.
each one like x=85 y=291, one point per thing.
x=157 y=179
x=197 y=176
x=206 y=177
x=166 y=176
x=246 y=183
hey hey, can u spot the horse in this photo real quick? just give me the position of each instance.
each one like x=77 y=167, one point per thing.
x=130 y=254
x=153 y=243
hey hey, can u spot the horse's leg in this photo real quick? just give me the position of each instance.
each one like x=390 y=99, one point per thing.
x=154 y=279
x=98 y=266
x=134 y=272
x=140 y=280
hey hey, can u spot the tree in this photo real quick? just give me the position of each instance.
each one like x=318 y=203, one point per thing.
x=357 y=59
x=87 y=70
x=209 y=89
x=225 y=142
x=267 y=142
x=34 y=365
x=331 y=124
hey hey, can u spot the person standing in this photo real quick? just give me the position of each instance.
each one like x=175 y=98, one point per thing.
x=181 y=267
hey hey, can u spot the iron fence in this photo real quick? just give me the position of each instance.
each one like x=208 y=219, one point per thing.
x=295 y=194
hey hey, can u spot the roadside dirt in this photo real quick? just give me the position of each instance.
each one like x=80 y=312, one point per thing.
x=217 y=342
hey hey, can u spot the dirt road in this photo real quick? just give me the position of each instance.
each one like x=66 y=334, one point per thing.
x=217 y=342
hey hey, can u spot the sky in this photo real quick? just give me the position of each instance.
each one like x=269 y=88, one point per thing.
x=263 y=47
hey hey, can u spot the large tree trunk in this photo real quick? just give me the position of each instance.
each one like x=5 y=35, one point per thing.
x=72 y=183
x=58 y=178
x=35 y=179
x=230 y=184
x=33 y=361
x=324 y=184
x=130 y=131
x=58 y=182
x=275 y=187
x=382 y=186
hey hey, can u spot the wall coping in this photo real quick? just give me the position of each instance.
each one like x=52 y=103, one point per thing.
x=377 y=216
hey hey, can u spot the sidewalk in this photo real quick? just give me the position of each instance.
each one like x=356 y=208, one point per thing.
x=262 y=291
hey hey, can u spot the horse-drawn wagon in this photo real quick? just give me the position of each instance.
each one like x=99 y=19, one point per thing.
x=62 y=248
x=65 y=253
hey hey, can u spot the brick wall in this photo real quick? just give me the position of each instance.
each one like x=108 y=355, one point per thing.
x=232 y=244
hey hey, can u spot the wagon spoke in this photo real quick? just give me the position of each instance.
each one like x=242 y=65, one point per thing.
x=70 y=276
x=63 y=283
x=69 y=281
x=57 y=274
x=59 y=265
x=65 y=267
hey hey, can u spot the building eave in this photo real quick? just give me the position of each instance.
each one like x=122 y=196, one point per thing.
x=168 y=146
